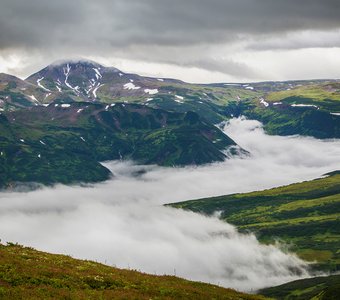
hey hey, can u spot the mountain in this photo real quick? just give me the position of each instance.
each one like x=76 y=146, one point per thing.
x=64 y=142
x=285 y=108
x=88 y=81
x=312 y=109
x=305 y=216
x=29 y=274
x=16 y=93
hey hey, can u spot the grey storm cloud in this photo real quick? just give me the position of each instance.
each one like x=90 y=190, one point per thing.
x=117 y=23
x=176 y=32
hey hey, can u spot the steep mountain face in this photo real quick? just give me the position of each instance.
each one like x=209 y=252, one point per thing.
x=16 y=93
x=90 y=81
x=64 y=142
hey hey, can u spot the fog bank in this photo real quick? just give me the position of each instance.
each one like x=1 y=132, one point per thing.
x=122 y=222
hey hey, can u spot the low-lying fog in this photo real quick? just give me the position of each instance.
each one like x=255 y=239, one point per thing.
x=121 y=222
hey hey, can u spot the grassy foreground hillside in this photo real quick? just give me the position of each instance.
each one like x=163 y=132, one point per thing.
x=29 y=274
x=305 y=216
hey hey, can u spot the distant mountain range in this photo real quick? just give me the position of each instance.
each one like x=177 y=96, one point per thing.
x=293 y=107
x=73 y=114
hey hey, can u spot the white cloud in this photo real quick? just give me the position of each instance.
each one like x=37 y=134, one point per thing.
x=122 y=221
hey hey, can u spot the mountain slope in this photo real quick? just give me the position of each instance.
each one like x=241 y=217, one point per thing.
x=64 y=142
x=294 y=107
x=317 y=288
x=312 y=109
x=304 y=215
x=88 y=81
x=16 y=93
x=29 y=274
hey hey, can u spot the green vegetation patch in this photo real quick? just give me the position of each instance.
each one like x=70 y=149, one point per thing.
x=305 y=216
x=318 y=288
x=29 y=274
x=64 y=142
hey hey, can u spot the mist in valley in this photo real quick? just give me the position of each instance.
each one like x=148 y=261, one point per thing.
x=123 y=222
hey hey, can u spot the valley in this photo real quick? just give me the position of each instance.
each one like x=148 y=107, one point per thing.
x=86 y=131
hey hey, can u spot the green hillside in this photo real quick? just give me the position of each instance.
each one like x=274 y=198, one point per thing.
x=65 y=142
x=310 y=109
x=318 y=288
x=29 y=274
x=305 y=216
x=326 y=95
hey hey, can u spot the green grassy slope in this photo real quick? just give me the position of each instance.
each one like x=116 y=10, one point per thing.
x=311 y=109
x=29 y=274
x=326 y=95
x=304 y=215
x=318 y=288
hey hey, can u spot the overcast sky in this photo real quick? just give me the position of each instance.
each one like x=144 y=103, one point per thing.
x=193 y=40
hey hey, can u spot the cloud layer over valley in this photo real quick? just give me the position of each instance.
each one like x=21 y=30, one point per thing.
x=123 y=222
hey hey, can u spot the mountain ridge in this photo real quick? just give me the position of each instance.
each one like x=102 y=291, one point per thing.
x=64 y=142
x=308 y=107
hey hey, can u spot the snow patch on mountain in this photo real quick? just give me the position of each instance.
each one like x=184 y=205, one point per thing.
x=33 y=98
x=66 y=71
x=179 y=99
x=98 y=74
x=131 y=86
x=40 y=85
x=151 y=91
x=96 y=89
x=304 y=105
x=262 y=101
